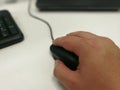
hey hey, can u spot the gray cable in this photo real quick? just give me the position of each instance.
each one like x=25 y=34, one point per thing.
x=40 y=19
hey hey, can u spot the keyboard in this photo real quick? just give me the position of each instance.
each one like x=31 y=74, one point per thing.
x=10 y=33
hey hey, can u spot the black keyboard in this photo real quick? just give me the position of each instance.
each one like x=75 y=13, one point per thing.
x=9 y=31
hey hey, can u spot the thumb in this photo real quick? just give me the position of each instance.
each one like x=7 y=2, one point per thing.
x=63 y=73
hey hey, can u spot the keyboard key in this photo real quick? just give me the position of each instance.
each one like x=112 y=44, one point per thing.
x=13 y=30
x=3 y=28
x=8 y=21
x=5 y=33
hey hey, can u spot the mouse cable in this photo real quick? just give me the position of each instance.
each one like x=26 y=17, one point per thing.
x=40 y=19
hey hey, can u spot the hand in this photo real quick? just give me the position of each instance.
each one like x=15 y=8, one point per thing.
x=99 y=59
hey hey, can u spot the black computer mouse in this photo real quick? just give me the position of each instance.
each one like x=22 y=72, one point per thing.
x=70 y=59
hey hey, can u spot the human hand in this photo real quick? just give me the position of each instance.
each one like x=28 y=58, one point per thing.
x=99 y=59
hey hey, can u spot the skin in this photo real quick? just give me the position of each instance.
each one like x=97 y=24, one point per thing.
x=99 y=62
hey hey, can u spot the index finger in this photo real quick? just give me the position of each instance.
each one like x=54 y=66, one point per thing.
x=74 y=44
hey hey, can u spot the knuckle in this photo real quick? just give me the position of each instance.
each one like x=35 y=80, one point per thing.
x=108 y=39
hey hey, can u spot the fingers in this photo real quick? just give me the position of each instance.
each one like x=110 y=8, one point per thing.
x=82 y=34
x=72 y=43
x=61 y=70
x=64 y=74
x=78 y=42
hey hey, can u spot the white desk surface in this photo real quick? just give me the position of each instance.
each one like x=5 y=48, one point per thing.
x=29 y=65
